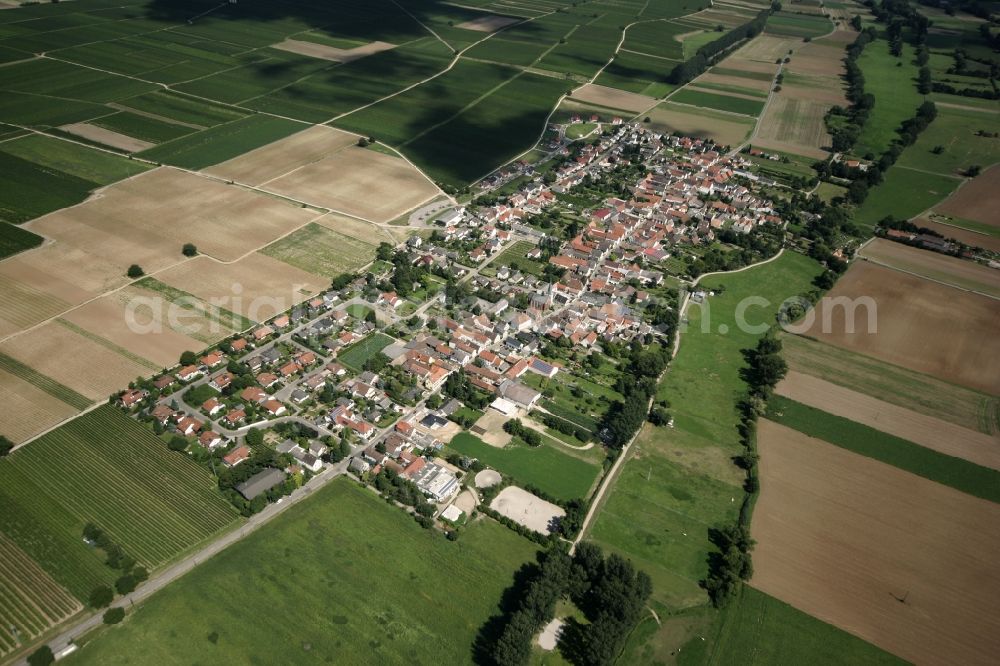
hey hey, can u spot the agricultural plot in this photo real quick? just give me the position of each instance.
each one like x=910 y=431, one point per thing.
x=182 y=110
x=101 y=135
x=28 y=410
x=727 y=129
x=798 y=25
x=14 y=239
x=921 y=325
x=22 y=305
x=934 y=266
x=719 y=101
x=681 y=480
x=342 y=528
x=108 y=469
x=976 y=200
x=30 y=601
x=637 y=73
x=546 y=467
x=73 y=159
x=615 y=99
x=901 y=387
x=904 y=193
x=845 y=538
x=144 y=128
x=953 y=133
x=358 y=354
x=660 y=38
x=322 y=251
x=256 y=286
x=896 y=96
x=43 y=382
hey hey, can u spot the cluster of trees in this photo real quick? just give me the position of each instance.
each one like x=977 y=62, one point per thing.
x=731 y=565
x=264 y=458
x=132 y=574
x=341 y=281
x=393 y=486
x=563 y=426
x=637 y=384
x=844 y=125
x=517 y=429
x=610 y=592
x=458 y=386
x=6 y=446
x=760 y=243
x=707 y=54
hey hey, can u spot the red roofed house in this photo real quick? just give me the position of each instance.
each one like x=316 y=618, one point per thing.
x=236 y=456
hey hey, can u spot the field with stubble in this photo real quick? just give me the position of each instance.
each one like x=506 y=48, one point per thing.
x=898 y=560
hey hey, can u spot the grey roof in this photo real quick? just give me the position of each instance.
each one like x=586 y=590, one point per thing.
x=260 y=483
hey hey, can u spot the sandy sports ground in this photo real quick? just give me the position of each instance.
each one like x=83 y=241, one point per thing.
x=616 y=99
x=933 y=433
x=488 y=478
x=28 y=410
x=526 y=509
x=977 y=200
x=921 y=325
x=324 y=167
x=257 y=286
x=489 y=23
x=325 y=52
x=146 y=220
x=845 y=538
x=727 y=130
x=107 y=137
x=74 y=360
x=935 y=266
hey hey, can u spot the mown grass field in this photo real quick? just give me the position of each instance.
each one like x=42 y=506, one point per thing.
x=559 y=474
x=353 y=579
x=948 y=470
x=681 y=481
x=954 y=130
x=895 y=91
x=358 y=354
x=108 y=469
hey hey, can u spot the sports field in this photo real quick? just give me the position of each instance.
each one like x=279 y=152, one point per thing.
x=546 y=467
x=107 y=469
x=898 y=560
x=351 y=577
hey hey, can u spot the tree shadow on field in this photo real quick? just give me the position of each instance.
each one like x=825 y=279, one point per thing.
x=490 y=631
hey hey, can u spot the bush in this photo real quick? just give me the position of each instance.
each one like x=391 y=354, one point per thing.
x=101 y=597
x=135 y=271
x=114 y=615
x=41 y=657
x=125 y=584
x=189 y=250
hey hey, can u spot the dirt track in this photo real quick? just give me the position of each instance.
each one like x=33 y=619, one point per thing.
x=846 y=538
x=948 y=438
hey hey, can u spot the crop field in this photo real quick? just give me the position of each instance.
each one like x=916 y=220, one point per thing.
x=663 y=39
x=102 y=135
x=276 y=159
x=43 y=382
x=798 y=25
x=615 y=99
x=160 y=308
x=545 y=467
x=144 y=128
x=927 y=431
x=976 y=200
x=954 y=130
x=899 y=386
x=718 y=101
x=367 y=563
x=854 y=541
x=921 y=325
x=933 y=265
x=896 y=97
x=107 y=469
x=680 y=481
x=30 y=601
x=366 y=232
x=22 y=305
x=904 y=193
x=358 y=354
x=222 y=142
x=727 y=129
x=321 y=251
x=637 y=73
x=14 y=239
x=28 y=410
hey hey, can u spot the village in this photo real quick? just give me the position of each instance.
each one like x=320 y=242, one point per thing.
x=472 y=331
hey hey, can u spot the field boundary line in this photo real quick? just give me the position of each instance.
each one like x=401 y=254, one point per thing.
x=924 y=277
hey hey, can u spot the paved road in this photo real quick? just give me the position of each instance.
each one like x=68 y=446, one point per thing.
x=163 y=578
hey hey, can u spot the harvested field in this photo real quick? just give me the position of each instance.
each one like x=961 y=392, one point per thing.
x=146 y=219
x=765 y=48
x=794 y=125
x=22 y=305
x=322 y=166
x=324 y=52
x=616 y=99
x=320 y=251
x=488 y=23
x=257 y=286
x=109 y=318
x=526 y=509
x=976 y=200
x=28 y=410
x=73 y=360
x=366 y=232
x=107 y=137
x=919 y=428
x=933 y=265
x=921 y=325
x=727 y=129
x=63 y=272
x=903 y=562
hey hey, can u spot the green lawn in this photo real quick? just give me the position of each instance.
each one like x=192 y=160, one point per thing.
x=681 y=481
x=896 y=97
x=340 y=578
x=223 y=142
x=106 y=468
x=559 y=474
x=904 y=193
x=947 y=470
x=358 y=354
x=954 y=130
x=758 y=629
